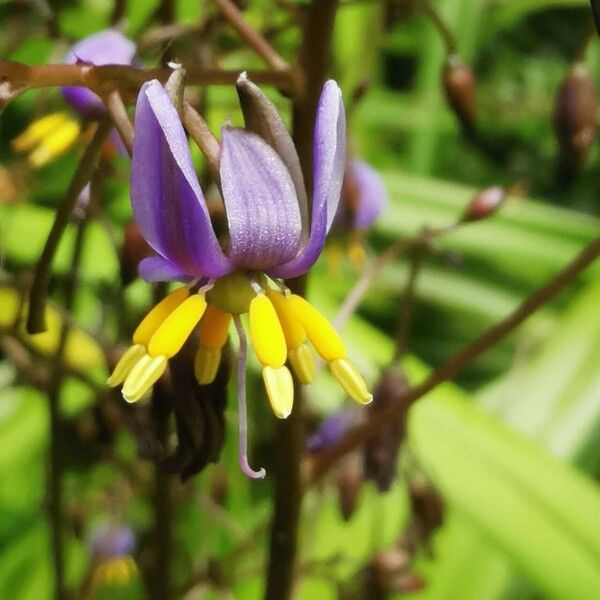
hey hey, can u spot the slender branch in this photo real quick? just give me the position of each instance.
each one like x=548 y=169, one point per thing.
x=120 y=118
x=39 y=287
x=104 y=79
x=456 y=363
x=254 y=39
x=434 y=16
x=203 y=136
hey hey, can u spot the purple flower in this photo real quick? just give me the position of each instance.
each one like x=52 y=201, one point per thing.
x=268 y=238
x=110 y=541
x=108 y=47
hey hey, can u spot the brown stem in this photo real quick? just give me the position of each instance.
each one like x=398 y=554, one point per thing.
x=39 y=287
x=254 y=39
x=434 y=16
x=456 y=363
x=289 y=439
x=203 y=136
x=120 y=118
x=104 y=79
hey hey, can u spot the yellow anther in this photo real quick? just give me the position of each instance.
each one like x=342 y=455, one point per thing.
x=176 y=328
x=55 y=144
x=206 y=364
x=214 y=327
x=303 y=363
x=266 y=332
x=143 y=376
x=280 y=390
x=351 y=380
x=292 y=330
x=320 y=331
x=38 y=130
x=153 y=320
x=131 y=356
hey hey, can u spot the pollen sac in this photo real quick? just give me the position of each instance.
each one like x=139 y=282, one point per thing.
x=214 y=329
x=280 y=390
x=206 y=364
x=125 y=364
x=170 y=336
x=348 y=376
x=146 y=372
x=267 y=335
x=459 y=86
x=303 y=363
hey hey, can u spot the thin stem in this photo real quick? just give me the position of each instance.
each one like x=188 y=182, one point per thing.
x=427 y=9
x=39 y=287
x=254 y=39
x=120 y=118
x=203 y=136
x=456 y=363
x=242 y=408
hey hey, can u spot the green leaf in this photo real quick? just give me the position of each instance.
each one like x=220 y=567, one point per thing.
x=521 y=499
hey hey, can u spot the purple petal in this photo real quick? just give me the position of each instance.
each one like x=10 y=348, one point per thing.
x=167 y=201
x=112 y=540
x=371 y=193
x=328 y=171
x=157 y=268
x=260 y=201
x=108 y=47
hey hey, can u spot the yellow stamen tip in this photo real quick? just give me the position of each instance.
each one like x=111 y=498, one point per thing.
x=130 y=357
x=280 y=390
x=143 y=376
x=292 y=329
x=206 y=364
x=176 y=328
x=303 y=363
x=153 y=320
x=267 y=336
x=320 y=331
x=38 y=130
x=351 y=380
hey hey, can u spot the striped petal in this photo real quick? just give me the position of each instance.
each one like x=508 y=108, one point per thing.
x=328 y=171
x=167 y=201
x=260 y=201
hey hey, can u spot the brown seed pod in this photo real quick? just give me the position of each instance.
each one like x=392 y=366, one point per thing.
x=459 y=86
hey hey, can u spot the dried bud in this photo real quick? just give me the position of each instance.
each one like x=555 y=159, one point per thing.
x=349 y=481
x=133 y=250
x=575 y=118
x=175 y=86
x=484 y=204
x=381 y=450
x=427 y=508
x=459 y=86
x=595 y=4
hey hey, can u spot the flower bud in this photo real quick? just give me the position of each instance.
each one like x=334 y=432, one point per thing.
x=575 y=119
x=381 y=449
x=484 y=204
x=459 y=86
x=349 y=481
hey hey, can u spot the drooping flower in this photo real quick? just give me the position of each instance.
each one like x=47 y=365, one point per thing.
x=111 y=549
x=55 y=134
x=269 y=238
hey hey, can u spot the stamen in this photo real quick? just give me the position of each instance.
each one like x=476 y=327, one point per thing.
x=242 y=409
x=143 y=376
x=280 y=390
x=176 y=328
x=344 y=370
x=37 y=131
x=267 y=336
x=320 y=331
x=214 y=329
x=55 y=144
x=303 y=363
x=206 y=364
x=131 y=356
x=152 y=321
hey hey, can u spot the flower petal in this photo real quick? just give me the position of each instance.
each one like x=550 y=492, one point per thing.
x=157 y=268
x=167 y=201
x=371 y=193
x=328 y=166
x=108 y=47
x=260 y=201
x=261 y=117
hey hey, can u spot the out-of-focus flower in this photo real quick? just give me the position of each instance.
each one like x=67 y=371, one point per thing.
x=111 y=549
x=53 y=135
x=459 y=84
x=575 y=118
x=331 y=430
x=363 y=199
x=269 y=239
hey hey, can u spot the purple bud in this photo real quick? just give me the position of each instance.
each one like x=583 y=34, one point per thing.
x=485 y=203
x=575 y=119
x=110 y=541
x=459 y=86
x=381 y=449
x=331 y=430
